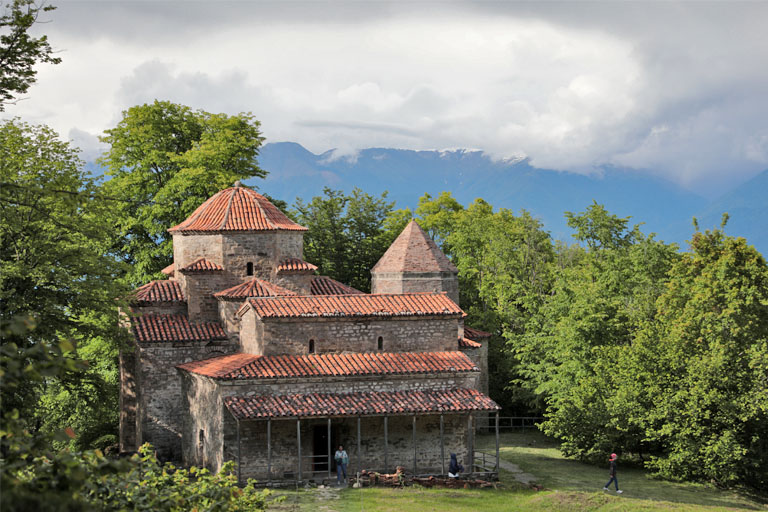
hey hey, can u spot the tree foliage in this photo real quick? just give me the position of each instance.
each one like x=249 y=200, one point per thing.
x=164 y=160
x=54 y=264
x=20 y=51
x=348 y=234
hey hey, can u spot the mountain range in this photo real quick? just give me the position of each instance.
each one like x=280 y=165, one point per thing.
x=663 y=207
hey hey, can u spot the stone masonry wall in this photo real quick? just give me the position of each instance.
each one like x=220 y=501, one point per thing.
x=128 y=401
x=189 y=248
x=227 y=317
x=199 y=288
x=291 y=336
x=264 y=249
x=416 y=282
x=159 y=399
x=161 y=308
x=202 y=401
x=399 y=448
x=299 y=283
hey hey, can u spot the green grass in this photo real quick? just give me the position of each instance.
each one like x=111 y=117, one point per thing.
x=569 y=485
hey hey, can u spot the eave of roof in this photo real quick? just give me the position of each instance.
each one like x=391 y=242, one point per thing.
x=174 y=328
x=379 y=403
x=159 y=291
x=323 y=285
x=253 y=288
x=248 y=366
x=201 y=265
x=353 y=306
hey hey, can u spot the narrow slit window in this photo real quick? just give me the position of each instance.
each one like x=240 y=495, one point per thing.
x=311 y=346
x=249 y=269
x=380 y=343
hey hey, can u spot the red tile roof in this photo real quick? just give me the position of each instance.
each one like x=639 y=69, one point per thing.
x=467 y=343
x=248 y=366
x=236 y=209
x=201 y=265
x=253 y=288
x=295 y=265
x=475 y=334
x=165 y=290
x=413 y=251
x=169 y=270
x=168 y=328
x=360 y=305
x=322 y=285
x=359 y=404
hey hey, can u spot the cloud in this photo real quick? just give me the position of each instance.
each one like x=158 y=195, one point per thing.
x=665 y=87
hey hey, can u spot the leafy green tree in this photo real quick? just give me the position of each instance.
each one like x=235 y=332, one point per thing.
x=348 y=234
x=54 y=264
x=701 y=367
x=437 y=216
x=19 y=51
x=569 y=349
x=164 y=160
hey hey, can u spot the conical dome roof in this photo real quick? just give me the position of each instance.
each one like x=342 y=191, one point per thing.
x=414 y=251
x=236 y=209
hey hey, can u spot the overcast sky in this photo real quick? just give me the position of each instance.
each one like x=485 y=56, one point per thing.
x=679 y=89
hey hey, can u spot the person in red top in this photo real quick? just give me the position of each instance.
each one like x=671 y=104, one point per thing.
x=612 y=474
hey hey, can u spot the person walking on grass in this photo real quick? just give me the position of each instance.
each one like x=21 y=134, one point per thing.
x=342 y=459
x=612 y=474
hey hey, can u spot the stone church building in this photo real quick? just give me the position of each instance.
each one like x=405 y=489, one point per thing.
x=243 y=353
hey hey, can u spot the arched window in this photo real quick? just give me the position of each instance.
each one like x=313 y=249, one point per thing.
x=311 y=346
x=380 y=343
x=249 y=269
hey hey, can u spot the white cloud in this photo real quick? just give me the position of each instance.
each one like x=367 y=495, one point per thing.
x=666 y=87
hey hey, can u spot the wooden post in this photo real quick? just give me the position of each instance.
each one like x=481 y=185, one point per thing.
x=497 y=442
x=442 y=444
x=414 y=445
x=329 y=448
x=269 y=449
x=239 y=478
x=298 y=442
x=386 y=444
x=471 y=443
x=359 y=456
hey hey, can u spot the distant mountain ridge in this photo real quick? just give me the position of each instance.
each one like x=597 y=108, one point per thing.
x=665 y=208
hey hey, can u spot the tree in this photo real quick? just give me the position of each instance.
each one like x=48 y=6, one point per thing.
x=701 y=367
x=570 y=347
x=54 y=265
x=164 y=160
x=19 y=51
x=348 y=234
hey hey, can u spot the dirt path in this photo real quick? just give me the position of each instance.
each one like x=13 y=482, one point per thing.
x=517 y=473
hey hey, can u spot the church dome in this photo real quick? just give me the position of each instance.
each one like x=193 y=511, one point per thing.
x=236 y=209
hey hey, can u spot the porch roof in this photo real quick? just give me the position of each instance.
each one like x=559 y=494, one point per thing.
x=358 y=404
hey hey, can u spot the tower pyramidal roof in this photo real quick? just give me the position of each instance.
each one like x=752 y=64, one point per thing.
x=414 y=251
x=236 y=209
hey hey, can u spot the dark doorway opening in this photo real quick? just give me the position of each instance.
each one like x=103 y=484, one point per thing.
x=320 y=447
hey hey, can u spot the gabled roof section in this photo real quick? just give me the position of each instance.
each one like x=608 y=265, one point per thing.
x=323 y=285
x=201 y=265
x=174 y=328
x=164 y=290
x=295 y=265
x=359 y=404
x=169 y=270
x=253 y=288
x=467 y=343
x=475 y=334
x=236 y=209
x=248 y=366
x=413 y=251
x=350 y=306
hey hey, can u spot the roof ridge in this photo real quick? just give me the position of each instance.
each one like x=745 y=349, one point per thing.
x=229 y=208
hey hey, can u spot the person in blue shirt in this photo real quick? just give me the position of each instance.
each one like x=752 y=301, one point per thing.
x=342 y=459
x=454 y=468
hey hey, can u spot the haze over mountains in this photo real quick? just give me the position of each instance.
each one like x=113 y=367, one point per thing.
x=665 y=208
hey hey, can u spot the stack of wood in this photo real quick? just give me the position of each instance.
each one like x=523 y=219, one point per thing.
x=396 y=479
x=400 y=479
x=453 y=483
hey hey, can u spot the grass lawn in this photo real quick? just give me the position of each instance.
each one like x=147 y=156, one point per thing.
x=569 y=485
